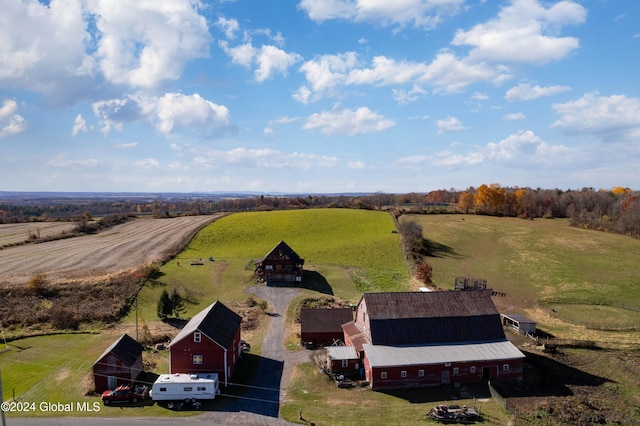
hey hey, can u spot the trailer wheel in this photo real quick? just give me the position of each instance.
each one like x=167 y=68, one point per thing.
x=106 y=402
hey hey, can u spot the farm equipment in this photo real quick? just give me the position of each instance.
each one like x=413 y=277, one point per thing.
x=453 y=414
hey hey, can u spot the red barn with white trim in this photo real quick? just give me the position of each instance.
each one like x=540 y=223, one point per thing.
x=209 y=343
x=420 y=339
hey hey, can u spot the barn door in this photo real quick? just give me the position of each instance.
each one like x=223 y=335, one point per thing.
x=112 y=382
x=446 y=377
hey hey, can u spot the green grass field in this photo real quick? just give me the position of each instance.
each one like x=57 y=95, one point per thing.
x=543 y=261
x=352 y=250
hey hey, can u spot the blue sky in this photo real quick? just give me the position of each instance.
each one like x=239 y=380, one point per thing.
x=318 y=95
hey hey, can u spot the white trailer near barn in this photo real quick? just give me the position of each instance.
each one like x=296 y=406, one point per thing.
x=185 y=387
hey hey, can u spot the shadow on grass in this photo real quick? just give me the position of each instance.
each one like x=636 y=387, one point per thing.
x=433 y=249
x=255 y=387
x=311 y=280
x=545 y=376
x=440 y=393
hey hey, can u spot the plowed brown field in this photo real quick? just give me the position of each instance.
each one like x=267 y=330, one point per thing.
x=116 y=249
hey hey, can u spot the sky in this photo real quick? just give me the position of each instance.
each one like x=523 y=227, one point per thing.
x=318 y=96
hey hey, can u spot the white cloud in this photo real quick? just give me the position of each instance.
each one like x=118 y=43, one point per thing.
x=176 y=109
x=348 y=122
x=522 y=149
x=8 y=109
x=79 y=125
x=356 y=165
x=249 y=159
x=10 y=122
x=524 y=31
x=114 y=113
x=228 y=26
x=40 y=45
x=270 y=60
x=450 y=124
x=526 y=92
x=419 y=13
x=477 y=96
x=127 y=145
x=165 y=113
x=62 y=161
x=145 y=43
x=324 y=73
x=403 y=97
x=273 y=60
x=147 y=163
x=515 y=116
x=242 y=54
x=607 y=117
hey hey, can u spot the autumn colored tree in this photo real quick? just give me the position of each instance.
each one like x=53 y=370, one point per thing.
x=424 y=272
x=466 y=201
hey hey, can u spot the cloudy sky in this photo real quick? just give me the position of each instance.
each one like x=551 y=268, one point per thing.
x=318 y=95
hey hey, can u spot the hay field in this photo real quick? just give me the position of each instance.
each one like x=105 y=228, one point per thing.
x=86 y=257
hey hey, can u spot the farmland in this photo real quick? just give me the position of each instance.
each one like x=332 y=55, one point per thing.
x=88 y=257
x=541 y=266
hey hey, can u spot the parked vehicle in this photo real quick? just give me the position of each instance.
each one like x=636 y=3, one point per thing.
x=188 y=388
x=124 y=394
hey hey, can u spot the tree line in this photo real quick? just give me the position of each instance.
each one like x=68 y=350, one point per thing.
x=614 y=210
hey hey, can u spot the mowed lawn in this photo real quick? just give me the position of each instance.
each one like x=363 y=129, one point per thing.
x=581 y=276
x=347 y=252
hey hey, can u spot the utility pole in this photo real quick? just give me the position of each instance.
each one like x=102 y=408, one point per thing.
x=136 y=302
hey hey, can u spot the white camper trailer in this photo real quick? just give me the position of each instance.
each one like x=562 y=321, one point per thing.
x=185 y=387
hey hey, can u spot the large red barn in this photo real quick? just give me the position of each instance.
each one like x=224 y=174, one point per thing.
x=430 y=338
x=208 y=343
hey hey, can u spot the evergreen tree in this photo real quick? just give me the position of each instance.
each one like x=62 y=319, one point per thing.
x=165 y=306
x=177 y=303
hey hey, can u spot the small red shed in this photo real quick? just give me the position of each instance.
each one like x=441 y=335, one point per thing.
x=208 y=343
x=119 y=364
x=323 y=327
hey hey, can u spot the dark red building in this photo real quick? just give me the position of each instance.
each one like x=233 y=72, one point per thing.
x=209 y=343
x=280 y=265
x=119 y=364
x=323 y=327
x=432 y=338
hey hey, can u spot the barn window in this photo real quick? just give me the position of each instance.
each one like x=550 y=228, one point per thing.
x=287 y=267
x=197 y=359
x=268 y=267
x=447 y=364
x=403 y=374
x=456 y=370
x=472 y=369
x=345 y=363
x=420 y=373
x=197 y=337
x=505 y=367
x=383 y=375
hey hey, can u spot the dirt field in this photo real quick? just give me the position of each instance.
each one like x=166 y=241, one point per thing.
x=120 y=248
x=16 y=233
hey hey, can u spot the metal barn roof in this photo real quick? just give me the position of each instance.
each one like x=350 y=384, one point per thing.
x=341 y=352
x=394 y=356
